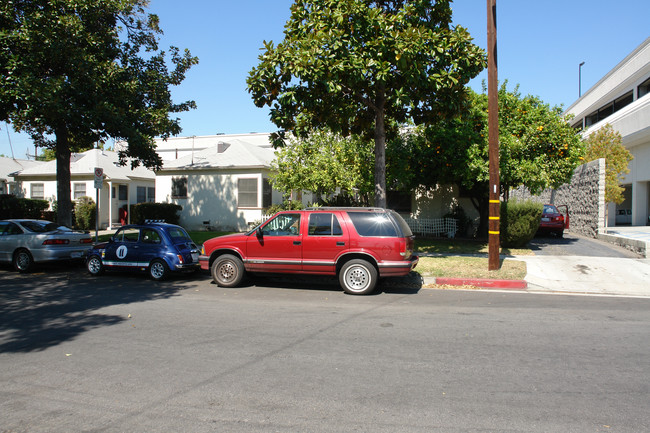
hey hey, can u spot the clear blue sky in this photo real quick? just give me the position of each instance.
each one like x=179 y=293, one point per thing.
x=540 y=45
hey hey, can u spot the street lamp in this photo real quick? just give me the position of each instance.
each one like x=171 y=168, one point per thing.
x=580 y=79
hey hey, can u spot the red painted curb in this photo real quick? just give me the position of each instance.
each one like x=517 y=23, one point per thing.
x=480 y=282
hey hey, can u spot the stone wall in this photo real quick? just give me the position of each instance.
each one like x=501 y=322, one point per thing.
x=585 y=196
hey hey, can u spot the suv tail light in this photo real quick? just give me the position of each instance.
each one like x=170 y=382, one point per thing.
x=406 y=247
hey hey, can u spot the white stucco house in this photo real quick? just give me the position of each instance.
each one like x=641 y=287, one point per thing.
x=121 y=186
x=622 y=99
x=9 y=168
x=222 y=183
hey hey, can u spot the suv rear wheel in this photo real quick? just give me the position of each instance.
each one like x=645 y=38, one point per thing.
x=358 y=277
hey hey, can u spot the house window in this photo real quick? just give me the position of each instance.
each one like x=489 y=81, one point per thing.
x=37 y=191
x=179 y=187
x=141 y=194
x=267 y=193
x=79 y=190
x=247 y=193
x=123 y=192
x=644 y=88
x=151 y=194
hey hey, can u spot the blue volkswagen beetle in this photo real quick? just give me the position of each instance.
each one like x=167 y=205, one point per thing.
x=155 y=247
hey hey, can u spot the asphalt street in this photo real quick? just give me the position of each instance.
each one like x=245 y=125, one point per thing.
x=122 y=353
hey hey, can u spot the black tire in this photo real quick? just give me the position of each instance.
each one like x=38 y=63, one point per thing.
x=560 y=234
x=358 y=277
x=158 y=270
x=94 y=266
x=227 y=271
x=23 y=260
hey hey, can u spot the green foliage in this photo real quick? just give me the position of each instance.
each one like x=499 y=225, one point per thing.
x=364 y=67
x=77 y=72
x=519 y=222
x=167 y=212
x=15 y=207
x=85 y=213
x=285 y=205
x=606 y=143
x=324 y=162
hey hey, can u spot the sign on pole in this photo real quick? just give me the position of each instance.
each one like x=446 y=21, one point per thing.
x=99 y=177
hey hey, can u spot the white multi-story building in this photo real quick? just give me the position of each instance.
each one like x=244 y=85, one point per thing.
x=622 y=99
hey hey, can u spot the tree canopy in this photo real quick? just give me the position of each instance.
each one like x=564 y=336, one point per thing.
x=607 y=143
x=364 y=67
x=76 y=72
x=538 y=149
x=324 y=162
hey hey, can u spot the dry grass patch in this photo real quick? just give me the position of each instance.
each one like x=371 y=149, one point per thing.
x=469 y=267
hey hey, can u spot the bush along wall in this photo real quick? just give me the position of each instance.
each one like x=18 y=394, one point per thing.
x=519 y=222
x=85 y=213
x=155 y=211
x=15 y=207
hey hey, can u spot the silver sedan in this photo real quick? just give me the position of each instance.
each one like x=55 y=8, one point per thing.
x=24 y=242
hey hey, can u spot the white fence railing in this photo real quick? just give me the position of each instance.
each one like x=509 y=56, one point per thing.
x=433 y=226
x=440 y=227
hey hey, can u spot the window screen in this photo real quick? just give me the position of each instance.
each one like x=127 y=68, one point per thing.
x=247 y=192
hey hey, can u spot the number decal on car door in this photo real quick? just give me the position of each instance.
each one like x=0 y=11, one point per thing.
x=122 y=251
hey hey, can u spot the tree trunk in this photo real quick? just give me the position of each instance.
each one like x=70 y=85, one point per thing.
x=64 y=202
x=380 y=150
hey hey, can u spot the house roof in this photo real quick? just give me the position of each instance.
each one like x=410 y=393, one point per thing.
x=231 y=154
x=85 y=163
x=10 y=166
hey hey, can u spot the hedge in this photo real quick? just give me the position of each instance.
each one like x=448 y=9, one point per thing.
x=155 y=211
x=85 y=213
x=519 y=222
x=15 y=207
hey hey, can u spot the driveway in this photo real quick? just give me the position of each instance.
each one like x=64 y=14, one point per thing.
x=575 y=245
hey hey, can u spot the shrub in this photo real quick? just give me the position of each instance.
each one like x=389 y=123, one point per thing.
x=14 y=207
x=85 y=213
x=464 y=223
x=155 y=211
x=519 y=222
x=286 y=205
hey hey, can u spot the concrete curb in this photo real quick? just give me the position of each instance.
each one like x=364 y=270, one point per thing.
x=483 y=282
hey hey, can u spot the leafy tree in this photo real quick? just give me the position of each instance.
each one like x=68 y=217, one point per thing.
x=324 y=162
x=76 y=72
x=363 y=67
x=606 y=143
x=538 y=149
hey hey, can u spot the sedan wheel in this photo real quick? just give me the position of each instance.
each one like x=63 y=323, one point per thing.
x=227 y=271
x=358 y=277
x=158 y=270
x=23 y=260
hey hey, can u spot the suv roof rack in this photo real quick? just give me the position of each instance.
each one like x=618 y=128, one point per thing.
x=349 y=208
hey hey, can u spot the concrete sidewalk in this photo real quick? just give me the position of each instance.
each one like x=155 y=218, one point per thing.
x=588 y=275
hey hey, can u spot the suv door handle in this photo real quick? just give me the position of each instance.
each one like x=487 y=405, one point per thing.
x=340 y=244
x=297 y=242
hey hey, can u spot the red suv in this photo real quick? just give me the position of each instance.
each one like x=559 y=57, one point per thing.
x=357 y=244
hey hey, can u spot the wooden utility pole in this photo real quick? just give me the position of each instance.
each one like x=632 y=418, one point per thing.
x=493 y=138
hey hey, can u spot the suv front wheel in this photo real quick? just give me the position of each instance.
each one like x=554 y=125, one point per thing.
x=358 y=277
x=227 y=271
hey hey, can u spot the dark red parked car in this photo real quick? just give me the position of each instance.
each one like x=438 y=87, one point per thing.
x=359 y=245
x=553 y=221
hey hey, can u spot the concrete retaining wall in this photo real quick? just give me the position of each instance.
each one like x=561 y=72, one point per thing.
x=585 y=196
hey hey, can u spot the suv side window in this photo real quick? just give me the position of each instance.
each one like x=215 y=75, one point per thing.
x=283 y=225
x=324 y=224
x=373 y=224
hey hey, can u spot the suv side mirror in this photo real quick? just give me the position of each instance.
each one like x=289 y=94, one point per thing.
x=259 y=233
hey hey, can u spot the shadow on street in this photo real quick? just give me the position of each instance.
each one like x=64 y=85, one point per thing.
x=56 y=303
